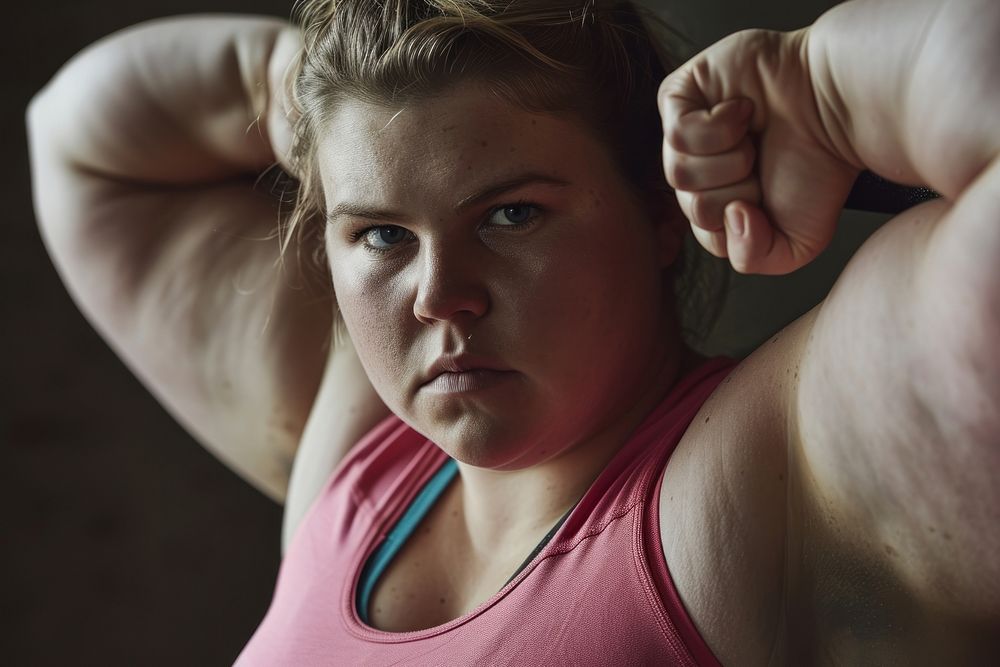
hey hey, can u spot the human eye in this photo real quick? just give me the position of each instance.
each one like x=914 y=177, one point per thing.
x=518 y=215
x=380 y=238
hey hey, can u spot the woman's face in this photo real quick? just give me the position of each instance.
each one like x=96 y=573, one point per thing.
x=463 y=225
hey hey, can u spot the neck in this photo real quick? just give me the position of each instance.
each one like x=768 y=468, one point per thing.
x=517 y=507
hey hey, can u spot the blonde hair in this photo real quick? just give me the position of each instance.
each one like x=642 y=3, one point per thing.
x=594 y=59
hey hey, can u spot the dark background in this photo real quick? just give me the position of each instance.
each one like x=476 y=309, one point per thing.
x=125 y=542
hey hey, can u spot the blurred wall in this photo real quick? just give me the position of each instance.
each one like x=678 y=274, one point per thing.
x=125 y=542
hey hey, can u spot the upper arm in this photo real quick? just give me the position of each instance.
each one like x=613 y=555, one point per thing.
x=183 y=284
x=143 y=171
x=347 y=407
x=893 y=455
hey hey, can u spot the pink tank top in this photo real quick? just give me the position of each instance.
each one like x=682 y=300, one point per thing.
x=598 y=593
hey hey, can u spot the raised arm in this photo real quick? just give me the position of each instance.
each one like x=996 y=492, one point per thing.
x=899 y=396
x=146 y=150
x=894 y=447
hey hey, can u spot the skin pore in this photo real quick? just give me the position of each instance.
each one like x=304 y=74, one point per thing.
x=513 y=236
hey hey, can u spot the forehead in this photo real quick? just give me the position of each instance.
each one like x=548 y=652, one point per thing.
x=459 y=139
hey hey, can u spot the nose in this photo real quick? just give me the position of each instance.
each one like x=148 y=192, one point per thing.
x=452 y=284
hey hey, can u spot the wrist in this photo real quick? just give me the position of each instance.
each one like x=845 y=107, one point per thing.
x=909 y=88
x=278 y=109
x=854 y=58
x=832 y=109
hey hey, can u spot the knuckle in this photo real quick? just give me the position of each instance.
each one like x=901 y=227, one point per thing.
x=677 y=173
x=666 y=84
x=701 y=70
x=674 y=135
x=663 y=92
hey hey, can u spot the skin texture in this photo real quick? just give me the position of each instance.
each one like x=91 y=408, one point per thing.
x=583 y=282
x=893 y=428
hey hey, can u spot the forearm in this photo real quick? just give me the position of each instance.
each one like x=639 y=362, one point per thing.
x=174 y=101
x=910 y=88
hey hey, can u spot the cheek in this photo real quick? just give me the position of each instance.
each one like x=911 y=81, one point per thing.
x=370 y=303
x=609 y=272
x=595 y=300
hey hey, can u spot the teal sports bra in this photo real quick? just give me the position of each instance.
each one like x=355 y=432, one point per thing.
x=423 y=502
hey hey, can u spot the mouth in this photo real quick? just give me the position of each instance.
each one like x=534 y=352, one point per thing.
x=467 y=381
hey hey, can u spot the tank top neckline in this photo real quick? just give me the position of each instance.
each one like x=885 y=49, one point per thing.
x=428 y=460
x=414 y=514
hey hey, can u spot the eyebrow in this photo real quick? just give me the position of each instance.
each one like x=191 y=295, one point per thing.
x=373 y=213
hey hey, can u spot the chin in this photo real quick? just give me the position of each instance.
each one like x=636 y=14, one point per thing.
x=484 y=444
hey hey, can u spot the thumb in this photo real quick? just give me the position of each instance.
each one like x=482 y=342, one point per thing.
x=754 y=245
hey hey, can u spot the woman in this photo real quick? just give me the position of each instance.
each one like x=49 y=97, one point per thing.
x=501 y=246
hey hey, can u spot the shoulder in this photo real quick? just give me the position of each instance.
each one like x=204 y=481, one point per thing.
x=345 y=467
x=723 y=500
x=385 y=457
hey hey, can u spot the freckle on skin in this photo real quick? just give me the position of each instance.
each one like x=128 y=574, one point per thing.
x=484 y=144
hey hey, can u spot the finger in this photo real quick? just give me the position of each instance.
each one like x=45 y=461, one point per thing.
x=706 y=172
x=754 y=245
x=690 y=127
x=706 y=209
x=713 y=242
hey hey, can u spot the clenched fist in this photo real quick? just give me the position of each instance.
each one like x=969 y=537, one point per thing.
x=749 y=149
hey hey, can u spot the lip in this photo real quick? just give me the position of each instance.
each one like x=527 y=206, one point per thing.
x=478 y=379
x=467 y=370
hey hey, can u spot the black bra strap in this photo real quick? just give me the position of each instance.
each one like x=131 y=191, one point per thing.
x=873 y=193
x=541 y=545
